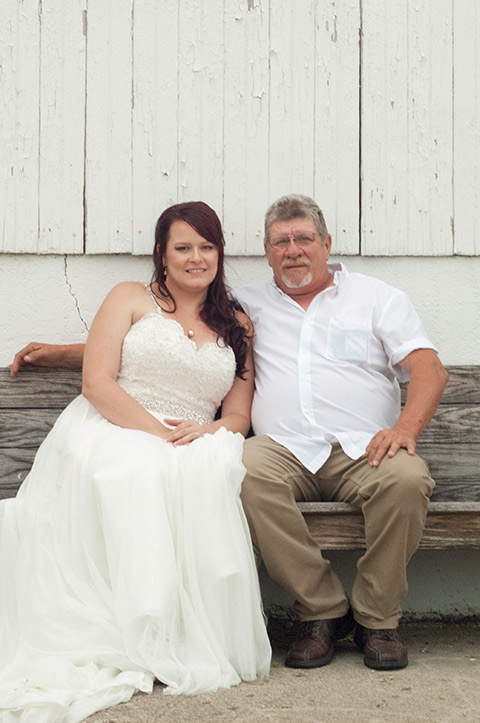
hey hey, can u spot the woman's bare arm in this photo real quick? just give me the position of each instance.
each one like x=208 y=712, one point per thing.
x=121 y=308
x=236 y=406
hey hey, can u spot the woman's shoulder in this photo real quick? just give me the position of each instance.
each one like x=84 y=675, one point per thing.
x=128 y=291
x=129 y=287
x=130 y=296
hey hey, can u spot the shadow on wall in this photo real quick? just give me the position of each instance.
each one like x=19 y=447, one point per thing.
x=442 y=584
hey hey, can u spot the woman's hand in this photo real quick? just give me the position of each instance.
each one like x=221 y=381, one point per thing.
x=186 y=431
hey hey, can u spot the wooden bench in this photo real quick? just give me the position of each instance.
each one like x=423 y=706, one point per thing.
x=30 y=404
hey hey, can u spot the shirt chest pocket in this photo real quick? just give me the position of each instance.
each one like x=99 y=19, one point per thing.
x=349 y=339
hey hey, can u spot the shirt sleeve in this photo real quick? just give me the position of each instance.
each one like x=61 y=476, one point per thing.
x=398 y=326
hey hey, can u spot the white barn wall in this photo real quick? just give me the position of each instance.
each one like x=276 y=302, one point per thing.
x=54 y=298
x=372 y=106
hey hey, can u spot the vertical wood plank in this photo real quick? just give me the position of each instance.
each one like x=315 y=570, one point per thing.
x=292 y=97
x=155 y=116
x=201 y=102
x=108 y=166
x=466 y=89
x=384 y=117
x=62 y=125
x=19 y=100
x=431 y=133
x=336 y=140
x=407 y=132
x=246 y=124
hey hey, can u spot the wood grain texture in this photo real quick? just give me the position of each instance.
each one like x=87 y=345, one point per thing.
x=466 y=94
x=459 y=424
x=15 y=464
x=108 y=166
x=39 y=388
x=201 y=99
x=25 y=428
x=337 y=121
x=62 y=126
x=292 y=97
x=246 y=120
x=463 y=386
x=156 y=112
x=19 y=123
x=406 y=127
x=239 y=103
x=338 y=526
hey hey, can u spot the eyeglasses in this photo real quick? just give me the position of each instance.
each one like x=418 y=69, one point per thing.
x=302 y=238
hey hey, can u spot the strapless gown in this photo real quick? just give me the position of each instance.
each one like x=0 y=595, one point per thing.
x=124 y=559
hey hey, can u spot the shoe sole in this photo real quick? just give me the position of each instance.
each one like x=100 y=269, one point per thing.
x=317 y=663
x=386 y=666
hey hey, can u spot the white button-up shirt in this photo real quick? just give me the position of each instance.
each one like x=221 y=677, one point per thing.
x=330 y=373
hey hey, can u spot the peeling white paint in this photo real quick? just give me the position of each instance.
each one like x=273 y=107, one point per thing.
x=239 y=103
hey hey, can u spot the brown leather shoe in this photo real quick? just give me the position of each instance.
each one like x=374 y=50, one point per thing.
x=315 y=641
x=382 y=649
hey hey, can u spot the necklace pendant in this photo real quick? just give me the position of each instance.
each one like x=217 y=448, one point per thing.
x=190 y=333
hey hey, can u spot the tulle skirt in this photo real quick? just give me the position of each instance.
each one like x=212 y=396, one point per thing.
x=124 y=559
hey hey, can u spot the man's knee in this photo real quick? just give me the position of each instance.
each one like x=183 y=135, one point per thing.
x=406 y=479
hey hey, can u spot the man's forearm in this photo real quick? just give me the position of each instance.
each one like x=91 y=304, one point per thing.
x=70 y=355
x=427 y=382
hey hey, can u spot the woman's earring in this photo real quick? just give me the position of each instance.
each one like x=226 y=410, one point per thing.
x=164 y=271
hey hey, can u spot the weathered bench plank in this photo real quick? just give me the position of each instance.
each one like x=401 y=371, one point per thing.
x=39 y=388
x=460 y=424
x=26 y=427
x=339 y=526
x=463 y=385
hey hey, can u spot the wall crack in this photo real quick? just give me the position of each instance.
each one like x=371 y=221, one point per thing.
x=71 y=292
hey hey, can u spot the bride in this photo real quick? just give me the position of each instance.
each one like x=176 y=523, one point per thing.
x=125 y=556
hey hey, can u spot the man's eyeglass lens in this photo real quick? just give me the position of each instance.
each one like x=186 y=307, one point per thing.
x=301 y=239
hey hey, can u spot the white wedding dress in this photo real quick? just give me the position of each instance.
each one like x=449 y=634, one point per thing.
x=124 y=559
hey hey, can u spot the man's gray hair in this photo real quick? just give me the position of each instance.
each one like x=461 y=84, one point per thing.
x=295 y=206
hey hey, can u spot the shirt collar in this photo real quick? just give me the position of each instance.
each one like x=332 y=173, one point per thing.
x=338 y=271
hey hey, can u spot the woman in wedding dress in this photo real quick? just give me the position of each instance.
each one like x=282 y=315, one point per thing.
x=126 y=556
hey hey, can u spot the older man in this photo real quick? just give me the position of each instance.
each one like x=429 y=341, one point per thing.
x=329 y=350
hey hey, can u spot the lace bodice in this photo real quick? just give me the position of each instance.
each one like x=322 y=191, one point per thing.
x=165 y=372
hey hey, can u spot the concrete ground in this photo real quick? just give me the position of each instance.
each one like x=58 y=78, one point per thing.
x=440 y=685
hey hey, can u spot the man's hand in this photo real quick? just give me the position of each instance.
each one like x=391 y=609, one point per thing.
x=388 y=442
x=47 y=355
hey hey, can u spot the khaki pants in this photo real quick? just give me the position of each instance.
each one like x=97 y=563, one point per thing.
x=393 y=498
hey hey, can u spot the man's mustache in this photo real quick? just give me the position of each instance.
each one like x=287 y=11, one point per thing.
x=295 y=264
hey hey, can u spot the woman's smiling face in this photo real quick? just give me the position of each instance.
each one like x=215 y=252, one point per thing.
x=191 y=261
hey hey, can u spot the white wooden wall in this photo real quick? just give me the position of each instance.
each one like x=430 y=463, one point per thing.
x=112 y=110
